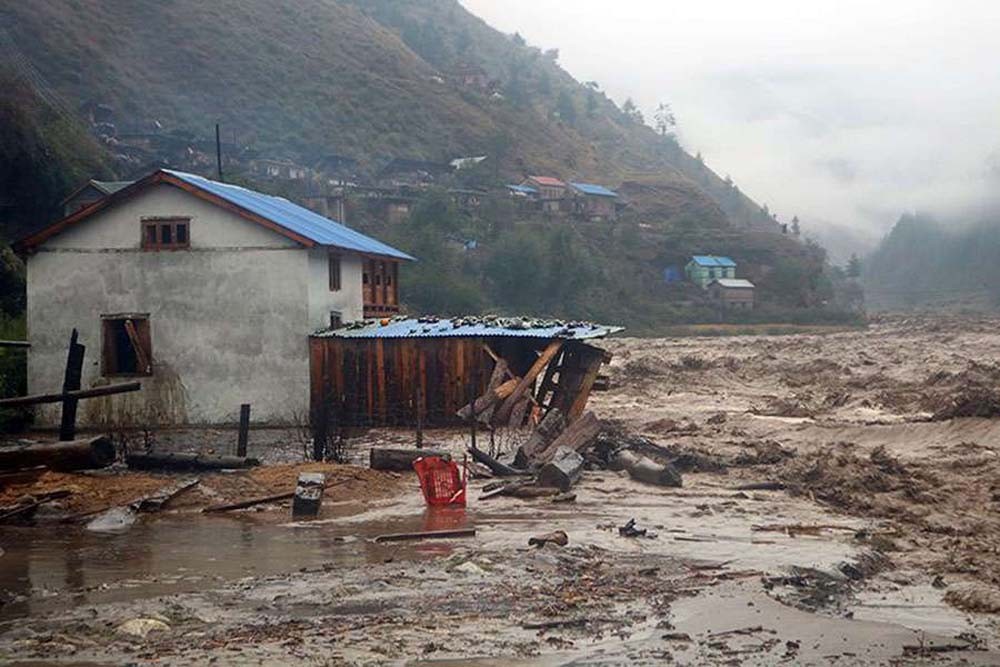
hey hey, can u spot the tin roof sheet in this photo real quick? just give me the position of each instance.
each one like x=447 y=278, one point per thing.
x=471 y=327
x=712 y=260
x=734 y=282
x=293 y=217
x=548 y=180
x=594 y=189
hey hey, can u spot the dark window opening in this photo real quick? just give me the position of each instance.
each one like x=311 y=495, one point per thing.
x=364 y=279
x=166 y=233
x=335 y=320
x=127 y=347
x=378 y=279
x=333 y=262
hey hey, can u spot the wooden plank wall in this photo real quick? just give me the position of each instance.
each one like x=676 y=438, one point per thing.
x=372 y=382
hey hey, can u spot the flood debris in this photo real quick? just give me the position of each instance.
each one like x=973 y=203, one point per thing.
x=186 y=461
x=427 y=535
x=25 y=508
x=142 y=627
x=308 y=494
x=646 y=470
x=557 y=537
x=562 y=471
x=631 y=529
x=85 y=454
x=400 y=460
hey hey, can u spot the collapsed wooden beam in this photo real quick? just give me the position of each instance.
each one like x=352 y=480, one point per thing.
x=503 y=413
x=579 y=435
x=185 y=461
x=400 y=460
x=96 y=452
x=106 y=390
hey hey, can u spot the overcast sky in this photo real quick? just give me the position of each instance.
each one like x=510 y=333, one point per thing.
x=846 y=111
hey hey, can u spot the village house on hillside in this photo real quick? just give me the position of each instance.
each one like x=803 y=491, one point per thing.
x=205 y=291
x=550 y=191
x=595 y=202
x=732 y=292
x=90 y=192
x=703 y=269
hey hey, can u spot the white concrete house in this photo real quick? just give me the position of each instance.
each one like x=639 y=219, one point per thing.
x=206 y=292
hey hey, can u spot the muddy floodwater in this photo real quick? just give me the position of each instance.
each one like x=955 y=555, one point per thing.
x=831 y=513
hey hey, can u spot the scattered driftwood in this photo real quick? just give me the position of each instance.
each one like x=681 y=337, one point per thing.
x=646 y=470
x=188 y=462
x=548 y=429
x=563 y=471
x=96 y=452
x=244 y=504
x=106 y=390
x=579 y=435
x=308 y=494
x=427 y=535
x=24 y=510
x=558 y=537
x=159 y=500
x=761 y=486
x=499 y=469
x=400 y=460
x=504 y=412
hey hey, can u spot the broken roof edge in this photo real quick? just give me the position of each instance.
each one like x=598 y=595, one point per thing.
x=470 y=327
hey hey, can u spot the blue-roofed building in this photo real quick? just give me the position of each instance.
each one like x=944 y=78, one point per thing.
x=595 y=202
x=205 y=291
x=703 y=269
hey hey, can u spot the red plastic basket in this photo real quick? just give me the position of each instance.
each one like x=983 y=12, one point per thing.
x=441 y=481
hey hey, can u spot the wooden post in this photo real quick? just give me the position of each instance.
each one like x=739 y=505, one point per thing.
x=473 y=391
x=71 y=382
x=244 y=435
x=320 y=424
x=420 y=415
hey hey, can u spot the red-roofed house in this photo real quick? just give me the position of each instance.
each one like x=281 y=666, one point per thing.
x=551 y=191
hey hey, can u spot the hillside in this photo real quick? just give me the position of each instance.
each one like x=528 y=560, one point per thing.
x=375 y=80
x=929 y=263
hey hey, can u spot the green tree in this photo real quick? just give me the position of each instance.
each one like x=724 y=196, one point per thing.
x=664 y=119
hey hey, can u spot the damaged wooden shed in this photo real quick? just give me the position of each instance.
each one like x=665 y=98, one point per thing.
x=408 y=372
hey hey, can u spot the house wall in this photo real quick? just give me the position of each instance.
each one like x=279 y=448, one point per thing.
x=229 y=318
x=347 y=300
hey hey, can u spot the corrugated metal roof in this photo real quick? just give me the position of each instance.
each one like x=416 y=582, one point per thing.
x=734 y=282
x=712 y=260
x=593 y=189
x=293 y=217
x=548 y=180
x=523 y=189
x=473 y=327
x=109 y=187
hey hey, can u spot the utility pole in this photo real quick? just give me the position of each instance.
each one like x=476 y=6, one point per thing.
x=218 y=152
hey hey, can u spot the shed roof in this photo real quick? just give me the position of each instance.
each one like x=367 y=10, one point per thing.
x=471 y=327
x=595 y=190
x=734 y=283
x=523 y=189
x=712 y=260
x=276 y=213
x=550 y=181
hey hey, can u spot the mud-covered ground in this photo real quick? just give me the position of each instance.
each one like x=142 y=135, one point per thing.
x=874 y=540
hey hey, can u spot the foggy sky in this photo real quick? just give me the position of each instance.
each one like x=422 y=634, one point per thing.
x=847 y=112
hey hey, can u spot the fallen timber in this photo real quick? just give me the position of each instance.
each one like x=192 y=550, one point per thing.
x=84 y=454
x=263 y=500
x=399 y=460
x=26 y=509
x=563 y=471
x=183 y=461
x=427 y=535
x=496 y=467
x=93 y=392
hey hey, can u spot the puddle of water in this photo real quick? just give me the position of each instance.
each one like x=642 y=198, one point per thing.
x=919 y=607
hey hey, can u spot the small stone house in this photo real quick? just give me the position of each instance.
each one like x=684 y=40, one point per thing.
x=206 y=292
x=703 y=269
x=732 y=293
x=551 y=192
x=595 y=202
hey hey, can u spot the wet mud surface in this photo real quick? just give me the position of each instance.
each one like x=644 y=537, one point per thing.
x=877 y=544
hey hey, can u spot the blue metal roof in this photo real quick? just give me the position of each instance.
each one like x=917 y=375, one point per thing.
x=592 y=189
x=293 y=217
x=472 y=327
x=712 y=260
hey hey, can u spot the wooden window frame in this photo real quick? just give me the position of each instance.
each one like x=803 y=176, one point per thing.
x=334 y=270
x=137 y=330
x=158 y=224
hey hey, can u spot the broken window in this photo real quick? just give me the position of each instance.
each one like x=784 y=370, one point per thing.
x=333 y=266
x=126 y=345
x=166 y=233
